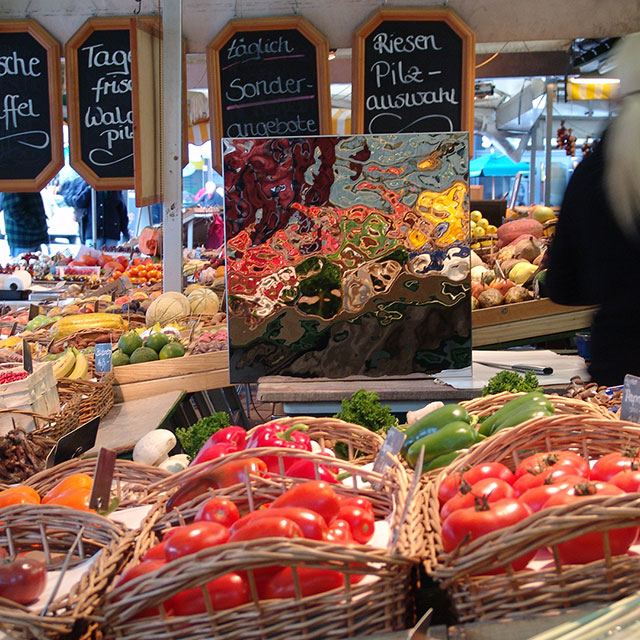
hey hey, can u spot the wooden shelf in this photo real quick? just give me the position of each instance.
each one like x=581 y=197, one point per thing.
x=188 y=374
x=523 y=320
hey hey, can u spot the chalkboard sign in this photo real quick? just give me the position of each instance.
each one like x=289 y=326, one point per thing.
x=30 y=106
x=268 y=78
x=630 y=409
x=99 y=103
x=413 y=72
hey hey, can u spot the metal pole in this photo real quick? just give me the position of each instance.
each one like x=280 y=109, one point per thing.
x=94 y=217
x=172 y=139
x=532 y=163
x=551 y=90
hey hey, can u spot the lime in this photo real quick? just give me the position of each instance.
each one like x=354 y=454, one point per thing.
x=143 y=354
x=129 y=342
x=156 y=341
x=171 y=350
x=118 y=358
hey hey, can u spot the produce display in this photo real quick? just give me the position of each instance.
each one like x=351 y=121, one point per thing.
x=512 y=270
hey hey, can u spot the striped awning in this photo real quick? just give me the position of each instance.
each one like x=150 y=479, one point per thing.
x=341 y=121
x=590 y=90
x=199 y=133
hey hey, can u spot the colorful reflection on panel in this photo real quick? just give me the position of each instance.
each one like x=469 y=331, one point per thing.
x=347 y=255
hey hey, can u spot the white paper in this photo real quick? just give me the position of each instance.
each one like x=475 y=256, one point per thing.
x=564 y=367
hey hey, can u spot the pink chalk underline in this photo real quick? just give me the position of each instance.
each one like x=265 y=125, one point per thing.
x=259 y=104
x=233 y=64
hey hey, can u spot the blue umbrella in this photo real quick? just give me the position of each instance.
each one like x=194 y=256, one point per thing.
x=494 y=164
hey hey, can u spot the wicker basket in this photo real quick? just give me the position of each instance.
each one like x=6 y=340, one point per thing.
x=362 y=444
x=130 y=485
x=96 y=397
x=61 y=533
x=523 y=593
x=383 y=603
x=487 y=405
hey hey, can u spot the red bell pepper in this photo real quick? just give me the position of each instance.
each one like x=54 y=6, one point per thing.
x=236 y=435
x=225 y=475
x=213 y=452
x=275 y=435
x=307 y=469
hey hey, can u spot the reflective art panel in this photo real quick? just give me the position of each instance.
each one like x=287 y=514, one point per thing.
x=347 y=255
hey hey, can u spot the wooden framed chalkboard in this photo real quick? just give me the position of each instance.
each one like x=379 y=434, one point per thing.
x=99 y=103
x=31 y=151
x=268 y=77
x=413 y=71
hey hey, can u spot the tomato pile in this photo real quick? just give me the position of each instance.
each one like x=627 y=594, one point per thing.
x=489 y=497
x=139 y=271
x=72 y=491
x=310 y=510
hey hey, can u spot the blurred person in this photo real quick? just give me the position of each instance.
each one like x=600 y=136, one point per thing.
x=25 y=222
x=211 y=197
x=594 y=255
x=111 y=216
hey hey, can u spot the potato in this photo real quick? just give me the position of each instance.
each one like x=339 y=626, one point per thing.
x=489 y=298
x=517 y=294
x=527 y=249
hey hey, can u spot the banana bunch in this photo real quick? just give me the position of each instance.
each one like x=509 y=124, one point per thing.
x=72 y=364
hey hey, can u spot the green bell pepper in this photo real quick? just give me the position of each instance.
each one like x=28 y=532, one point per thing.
x=443 y=460
x=433 y=422
x=488 y=426
x=524 y=413
x=452 y=437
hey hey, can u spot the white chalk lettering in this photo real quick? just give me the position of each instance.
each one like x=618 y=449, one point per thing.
x=13 y=108
x=275 y=127
x=257 y=50
x=13 y=65
x=390 y=43
x=278 y=87
x=406 y=100
x=396 y=73
x=100 y=58
x=106 y=87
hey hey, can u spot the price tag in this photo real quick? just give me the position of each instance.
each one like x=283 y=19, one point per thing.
x=102 y=357
x=197 y=254
x=630 y=409
x=75 y=443
x=34 y=310
x=27 y=361
x=102 y=479
x=392 y=444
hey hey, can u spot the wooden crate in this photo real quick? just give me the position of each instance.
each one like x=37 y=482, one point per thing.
x=189 y=373
x=522 y=320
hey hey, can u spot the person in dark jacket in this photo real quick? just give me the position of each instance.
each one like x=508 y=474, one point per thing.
x=594 y=256
x=25 y=222
x=111 y=213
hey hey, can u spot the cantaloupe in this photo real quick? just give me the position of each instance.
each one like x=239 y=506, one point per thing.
x=166 y=308
x=203 y=301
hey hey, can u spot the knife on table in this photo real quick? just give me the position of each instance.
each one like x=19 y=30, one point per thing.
x=541 y=371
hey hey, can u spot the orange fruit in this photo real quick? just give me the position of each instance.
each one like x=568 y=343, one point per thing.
x=73 y=498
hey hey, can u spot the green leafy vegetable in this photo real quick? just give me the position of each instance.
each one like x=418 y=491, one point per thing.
x=511 y=381
x=192 y=438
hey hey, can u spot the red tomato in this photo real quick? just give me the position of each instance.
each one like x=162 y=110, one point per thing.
x=546 y=476
x=356 y=501
x=155 y=553
x=536 y=497
x=627 y=480
x=339 y=531
x=449 y=486
x=589 y=547
x=22 y=580
x=360 y=521
x=88 y=259
x=267 y=527
x=135 y=572
x=465 y=525
x=607 y=467
x=316 y=495
x=491 y=489
x=227 y=591
x=311 y=581
x=311 y=523
x=540 y=461
x=194 y=537
x=220 y=510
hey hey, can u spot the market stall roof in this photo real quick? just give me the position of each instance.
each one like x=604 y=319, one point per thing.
x=495 y=164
